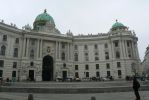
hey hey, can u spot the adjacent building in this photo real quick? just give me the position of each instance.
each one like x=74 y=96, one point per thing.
x=44 y=53
x=145 y=63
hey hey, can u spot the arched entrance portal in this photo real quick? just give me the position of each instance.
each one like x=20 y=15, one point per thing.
x=47 y=68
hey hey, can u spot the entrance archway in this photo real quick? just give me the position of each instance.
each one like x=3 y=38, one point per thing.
x=47 y=68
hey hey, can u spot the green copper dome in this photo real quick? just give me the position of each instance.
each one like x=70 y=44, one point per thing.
x=43 y=19
x=117 y=24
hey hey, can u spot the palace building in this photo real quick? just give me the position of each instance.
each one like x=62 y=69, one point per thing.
x=44 y=53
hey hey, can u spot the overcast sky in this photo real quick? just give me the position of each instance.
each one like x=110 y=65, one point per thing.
x=83 y=16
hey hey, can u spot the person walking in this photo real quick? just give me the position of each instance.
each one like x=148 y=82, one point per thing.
x=136 y=86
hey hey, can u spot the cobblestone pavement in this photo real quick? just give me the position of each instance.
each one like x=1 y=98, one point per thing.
x=99 y=96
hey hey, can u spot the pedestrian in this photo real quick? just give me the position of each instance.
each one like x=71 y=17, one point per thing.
x=136 y=86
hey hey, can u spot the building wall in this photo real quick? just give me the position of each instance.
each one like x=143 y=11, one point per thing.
x=52 y=44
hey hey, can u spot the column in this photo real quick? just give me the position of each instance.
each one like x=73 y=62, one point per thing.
x=40 y=48
x=68 y=51
x=27 y=48
x=56 y=50
x=37 y=54
x=59 y=50
x=24 y=47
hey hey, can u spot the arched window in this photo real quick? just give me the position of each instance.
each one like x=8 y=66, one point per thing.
x=3 y=50
x=32 y=54
x=76 y=56
x=15 y=54
x=63 y=56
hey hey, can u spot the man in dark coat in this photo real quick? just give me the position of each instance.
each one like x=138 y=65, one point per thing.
x=136 y=86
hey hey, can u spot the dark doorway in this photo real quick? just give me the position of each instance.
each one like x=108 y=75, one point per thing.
x=47 y=68
x=31 y=75
x=64 y=75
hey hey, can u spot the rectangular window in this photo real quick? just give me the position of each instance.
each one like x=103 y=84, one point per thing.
x=13 y=73
x=118 y=64
x=95 y=46
x=1 y=63
x=4 y=37
x=86 y=67
x=85 y=47
x=63 y=46
x=1 y=73
x=97 y=74
x=116 y=43
x=108 y=66
x=128 y=44
x=97 y=66
x=76 y=74
x=17 y=41
x=14 y=64
x=106 y=55
x=119 y=73
x=108 y=73
x=76 y=67
x=106 y=45
x=76 y=47
x=87 y=74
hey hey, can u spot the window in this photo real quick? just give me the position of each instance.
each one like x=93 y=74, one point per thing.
x=63 y=46
x=32 y=54
x=95 y=46
x=118 y=64
x=119 y=73
x=129 y=53
x=32 y=64
x=1 y=73
x=76 y=74
x=85 y=47
x=76 y=67
x=87 y=74
x=108 y=73
x=116 y=43
x=106 y=55
x=76 y=47
x=108 y=66
x=63 y=56
x=13 y=73
x=3 y=50
x=96 y=58
x=117 y=54
x=106 y=45
x=86 y=67
x=96 y=54
x=15 y=54
x=128 y=44
x=97 y=74
x=64 y=65
x=1 y=63
x=17 y=41
x=86 y=57
x=97 y=66
x=14 y=64
x=76 y=57
x=4 y=37
x=32 y=42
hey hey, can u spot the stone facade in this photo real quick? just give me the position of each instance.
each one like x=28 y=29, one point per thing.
x=26 y=53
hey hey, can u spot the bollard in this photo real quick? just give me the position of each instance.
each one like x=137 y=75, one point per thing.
x=30 y=97
x=93 y=98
